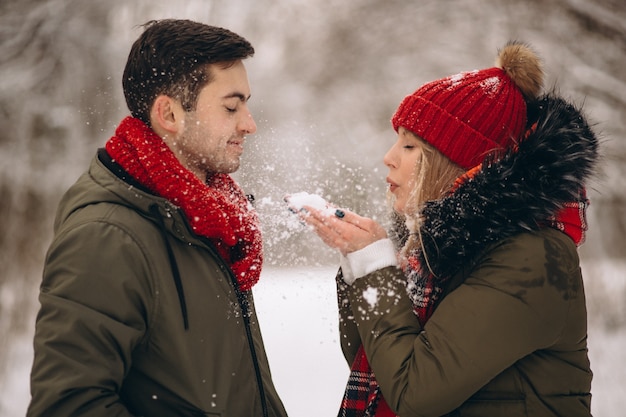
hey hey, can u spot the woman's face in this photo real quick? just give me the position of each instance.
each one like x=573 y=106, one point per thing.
x=401 y=159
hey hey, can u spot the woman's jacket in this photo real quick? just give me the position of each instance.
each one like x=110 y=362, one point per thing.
x=509 y=337
x=116 y=337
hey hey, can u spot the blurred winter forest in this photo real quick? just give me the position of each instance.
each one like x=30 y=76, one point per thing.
x=326 y=78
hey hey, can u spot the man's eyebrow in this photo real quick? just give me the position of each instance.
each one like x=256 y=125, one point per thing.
x=240 y=96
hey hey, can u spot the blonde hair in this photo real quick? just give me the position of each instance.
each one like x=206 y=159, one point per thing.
x=434 y=176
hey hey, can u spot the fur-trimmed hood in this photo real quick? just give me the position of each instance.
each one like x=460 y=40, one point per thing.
x=518 y=191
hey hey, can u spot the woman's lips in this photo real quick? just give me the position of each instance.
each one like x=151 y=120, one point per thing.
x=392 y=185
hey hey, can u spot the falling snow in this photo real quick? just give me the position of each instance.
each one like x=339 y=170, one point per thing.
x=323 y=127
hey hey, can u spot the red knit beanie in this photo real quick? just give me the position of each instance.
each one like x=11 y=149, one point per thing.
x=469 y=115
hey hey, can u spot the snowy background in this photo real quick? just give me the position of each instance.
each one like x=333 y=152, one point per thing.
x=326 y=77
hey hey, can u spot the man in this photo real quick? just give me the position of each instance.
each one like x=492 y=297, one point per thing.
x=146 y=302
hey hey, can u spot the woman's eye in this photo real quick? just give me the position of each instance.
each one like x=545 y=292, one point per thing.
x=409 y=146
x=231 y=110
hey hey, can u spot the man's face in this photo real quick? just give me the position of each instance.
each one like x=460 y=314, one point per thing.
x=212 y=135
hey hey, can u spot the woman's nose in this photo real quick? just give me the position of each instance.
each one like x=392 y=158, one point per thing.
x=388 y=159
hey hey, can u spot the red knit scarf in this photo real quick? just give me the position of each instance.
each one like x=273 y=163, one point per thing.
x=217 y=210
x=362 y=396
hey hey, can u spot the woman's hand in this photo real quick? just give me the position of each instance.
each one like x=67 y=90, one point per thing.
x=344 y=230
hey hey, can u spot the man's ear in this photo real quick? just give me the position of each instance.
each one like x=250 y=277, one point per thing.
x=166 y=116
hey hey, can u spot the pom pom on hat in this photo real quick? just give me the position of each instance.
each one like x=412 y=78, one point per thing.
x=523 y=66
x=472 y=114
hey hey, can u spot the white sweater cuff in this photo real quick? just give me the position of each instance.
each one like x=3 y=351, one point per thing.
x=377 y=255
x=346 y=270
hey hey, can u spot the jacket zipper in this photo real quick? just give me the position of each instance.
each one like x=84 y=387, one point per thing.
x=241 y=299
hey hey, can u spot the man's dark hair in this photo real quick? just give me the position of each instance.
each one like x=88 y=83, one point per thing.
x=172 y=57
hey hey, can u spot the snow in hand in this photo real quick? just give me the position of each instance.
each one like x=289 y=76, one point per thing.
x=297 y=202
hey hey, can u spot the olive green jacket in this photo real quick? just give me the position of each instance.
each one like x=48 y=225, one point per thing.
x=115 y=337
x=509 y=341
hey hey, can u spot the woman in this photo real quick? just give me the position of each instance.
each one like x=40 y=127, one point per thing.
x=487 y=179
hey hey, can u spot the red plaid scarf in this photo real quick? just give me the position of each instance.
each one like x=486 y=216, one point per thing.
x=217 y=209
x=362 y=396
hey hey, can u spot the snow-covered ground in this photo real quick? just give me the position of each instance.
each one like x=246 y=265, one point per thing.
x=297 y=312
